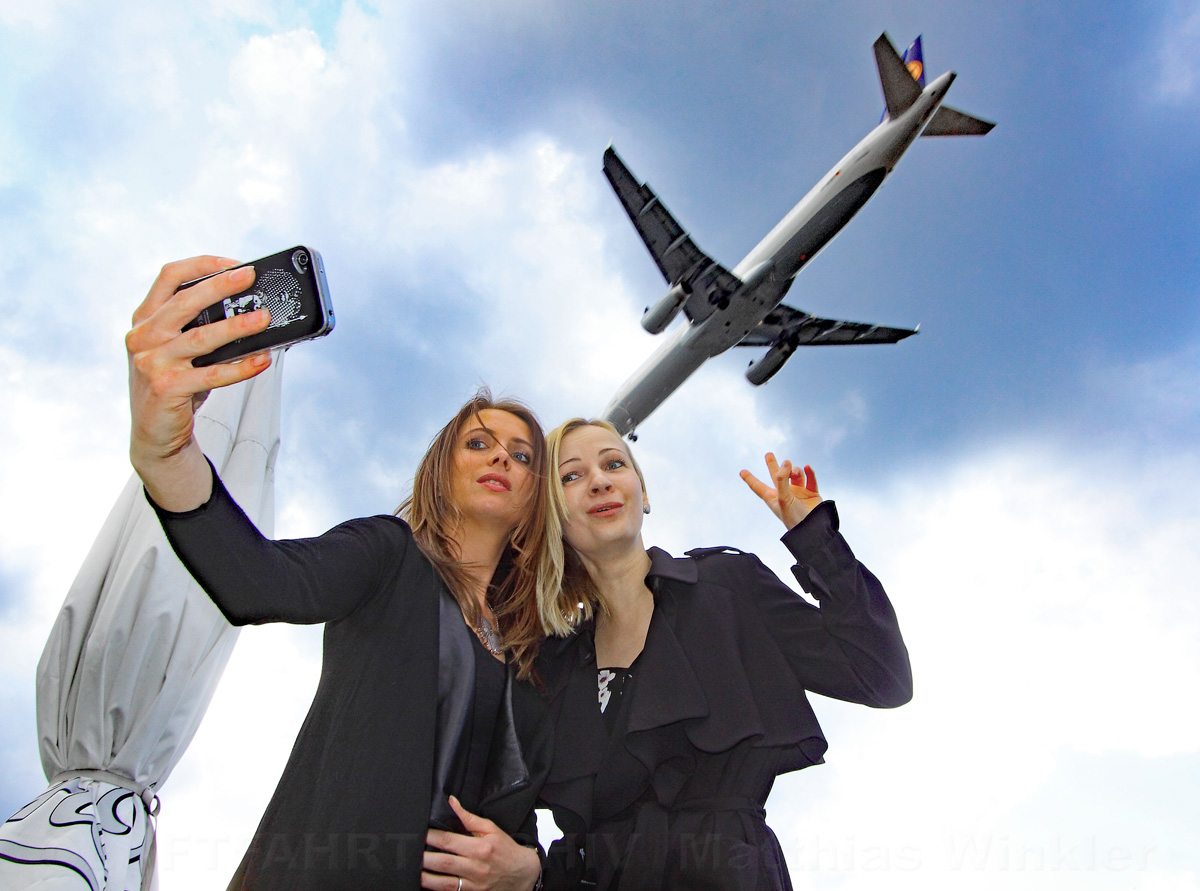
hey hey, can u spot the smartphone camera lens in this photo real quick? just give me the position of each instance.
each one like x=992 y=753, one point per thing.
x=300 y=260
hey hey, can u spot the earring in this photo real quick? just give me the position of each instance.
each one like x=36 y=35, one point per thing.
x=645 y=508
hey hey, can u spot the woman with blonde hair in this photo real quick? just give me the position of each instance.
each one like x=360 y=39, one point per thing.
x=423 y=724
x=679 y=689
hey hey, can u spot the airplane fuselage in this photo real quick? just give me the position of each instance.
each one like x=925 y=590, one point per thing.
x=769 y=269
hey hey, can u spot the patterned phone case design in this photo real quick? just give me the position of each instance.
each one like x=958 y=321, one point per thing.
x=279 y=291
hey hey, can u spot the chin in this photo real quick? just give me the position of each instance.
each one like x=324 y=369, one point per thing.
x=492 y=513
x=597 y=544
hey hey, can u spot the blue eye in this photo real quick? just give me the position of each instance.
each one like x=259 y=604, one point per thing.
x=522 y=457
x=614 y=464
x=569 y=477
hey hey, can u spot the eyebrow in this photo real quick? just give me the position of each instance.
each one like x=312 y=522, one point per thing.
x=516 y=440
x=620 y=452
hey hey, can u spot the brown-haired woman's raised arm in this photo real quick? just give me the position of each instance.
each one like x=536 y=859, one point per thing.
x=164 y=387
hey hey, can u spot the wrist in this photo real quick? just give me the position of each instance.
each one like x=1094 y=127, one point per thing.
x=538 y=879
x=799 y=512
x=178 y=483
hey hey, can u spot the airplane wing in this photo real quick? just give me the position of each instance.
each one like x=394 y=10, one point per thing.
x=784 y=324
x=947 y=121
x=707 y=283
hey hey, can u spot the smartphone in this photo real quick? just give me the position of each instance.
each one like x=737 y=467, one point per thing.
x=291 y=284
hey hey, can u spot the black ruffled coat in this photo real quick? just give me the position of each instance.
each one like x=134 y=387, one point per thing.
x=717 y=709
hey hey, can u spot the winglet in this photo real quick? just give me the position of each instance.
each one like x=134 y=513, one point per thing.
x=900 y=90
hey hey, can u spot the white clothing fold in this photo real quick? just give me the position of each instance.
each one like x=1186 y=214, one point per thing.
x=130 y=667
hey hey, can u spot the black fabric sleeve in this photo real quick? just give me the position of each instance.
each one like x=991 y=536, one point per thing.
x=527 y=835
x=254 y=580
x=564 y=864
x=851 y=647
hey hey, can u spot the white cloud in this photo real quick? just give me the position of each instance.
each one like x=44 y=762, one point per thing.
x=221 y=787
x=1158 y=396
x=1179 y=56
x=1045 y=598
x=57 y=471
x=1181 y=880
x=15 y=13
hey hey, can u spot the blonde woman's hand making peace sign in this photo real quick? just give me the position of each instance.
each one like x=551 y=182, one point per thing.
x=795 y=492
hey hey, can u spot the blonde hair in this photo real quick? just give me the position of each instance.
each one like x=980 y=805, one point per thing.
x=527 y=566
x=575 y=598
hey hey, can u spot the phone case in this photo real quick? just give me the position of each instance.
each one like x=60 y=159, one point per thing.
x=291 y=284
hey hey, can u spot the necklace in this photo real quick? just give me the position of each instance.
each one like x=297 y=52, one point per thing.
x=489 y=636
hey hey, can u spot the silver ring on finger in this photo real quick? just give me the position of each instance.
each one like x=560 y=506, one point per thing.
x=459 y=884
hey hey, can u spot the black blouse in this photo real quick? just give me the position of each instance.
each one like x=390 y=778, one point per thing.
x=612 y=686
x=474 y=745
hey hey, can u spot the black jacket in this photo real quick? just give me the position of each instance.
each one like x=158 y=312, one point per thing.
x=717 y=708
x=354 y=802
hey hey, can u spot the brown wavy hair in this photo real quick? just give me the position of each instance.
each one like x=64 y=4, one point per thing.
x=572 y=598
x=526 y=567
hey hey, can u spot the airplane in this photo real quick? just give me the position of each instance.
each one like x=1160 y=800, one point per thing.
x=742 y=306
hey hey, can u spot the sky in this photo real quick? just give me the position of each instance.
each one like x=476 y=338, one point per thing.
x=1022 y=476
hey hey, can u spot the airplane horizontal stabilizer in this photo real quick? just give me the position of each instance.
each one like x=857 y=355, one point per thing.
x=947 y=121
x=900 y=91
x=784 y=324
x=681 y=262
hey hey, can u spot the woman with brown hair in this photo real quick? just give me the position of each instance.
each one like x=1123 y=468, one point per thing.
x=678 y=685
x=423 y=724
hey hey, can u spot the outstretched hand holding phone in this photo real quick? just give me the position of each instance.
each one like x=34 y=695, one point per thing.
x=291 y=284
x=208 y=322
x=164 y=384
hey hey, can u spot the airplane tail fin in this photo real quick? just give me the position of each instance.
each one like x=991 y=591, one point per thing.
x=900 y=88
x=947 y=121
x=914 y=61
x=903 y=79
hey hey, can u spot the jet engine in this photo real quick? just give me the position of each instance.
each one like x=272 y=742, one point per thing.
x=659 y=316
x=764 y=369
